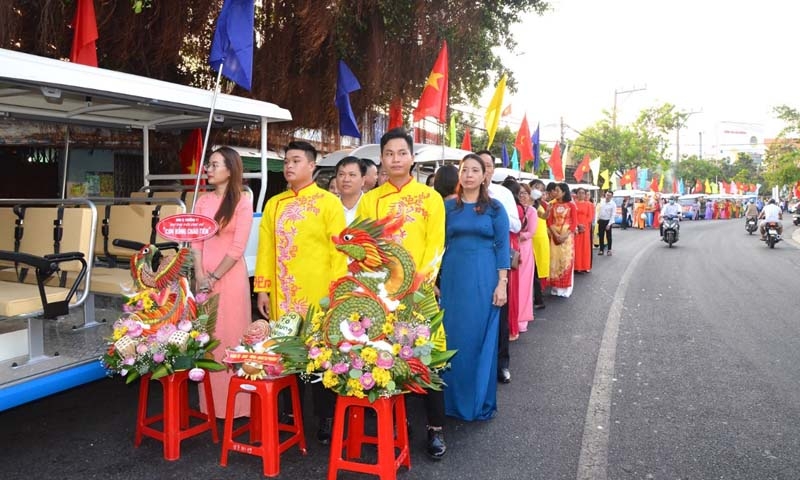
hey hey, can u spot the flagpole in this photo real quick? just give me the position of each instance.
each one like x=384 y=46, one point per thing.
x=205 y=138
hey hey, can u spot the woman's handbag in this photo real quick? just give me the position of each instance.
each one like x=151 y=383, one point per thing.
x=514 y=259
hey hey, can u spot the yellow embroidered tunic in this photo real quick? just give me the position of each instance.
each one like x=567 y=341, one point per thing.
x=297 y=260
x=422 y=209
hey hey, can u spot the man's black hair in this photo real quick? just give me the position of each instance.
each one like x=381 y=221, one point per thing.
x=351 y=160
x=398 y=132
x=311 y=152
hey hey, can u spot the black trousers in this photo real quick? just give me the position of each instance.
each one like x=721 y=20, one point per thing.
x=537 y=287
x=602 y=233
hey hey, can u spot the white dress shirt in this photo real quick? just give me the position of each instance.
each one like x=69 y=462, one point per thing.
x=608 y=209
x=506 y=198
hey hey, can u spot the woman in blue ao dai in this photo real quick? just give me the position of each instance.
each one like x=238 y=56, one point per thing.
x=473 y=288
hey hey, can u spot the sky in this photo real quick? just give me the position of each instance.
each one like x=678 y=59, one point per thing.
x=729 y=61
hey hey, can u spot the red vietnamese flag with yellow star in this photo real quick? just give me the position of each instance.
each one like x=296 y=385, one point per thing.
x=654 y=184
x=433 y=102
x=583 y=168
x=523 y=142
x=629 y=177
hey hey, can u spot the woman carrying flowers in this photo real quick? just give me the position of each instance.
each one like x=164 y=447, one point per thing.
x=473 y=286
x=219 y=264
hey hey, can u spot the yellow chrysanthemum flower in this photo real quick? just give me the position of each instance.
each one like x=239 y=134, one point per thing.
x=387 y=328
x=354 y=388
x=119 y=332
x=401 y=307
x=310 y=368
x=370 y=355
x=382 y=376
x=396 y=349
x=325 y=354
x=330 y=379
x=194 y=334
x=420 y=341
x=355 y=316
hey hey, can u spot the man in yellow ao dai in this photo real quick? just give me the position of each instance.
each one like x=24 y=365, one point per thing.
x=297 y=260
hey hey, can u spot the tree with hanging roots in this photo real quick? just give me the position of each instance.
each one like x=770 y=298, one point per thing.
x=389 y=45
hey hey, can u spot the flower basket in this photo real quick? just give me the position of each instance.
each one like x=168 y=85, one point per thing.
x=380 y=333
x=165 y=327
x=258 y=356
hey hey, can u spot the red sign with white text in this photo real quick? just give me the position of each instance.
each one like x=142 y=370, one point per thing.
x=187 y=227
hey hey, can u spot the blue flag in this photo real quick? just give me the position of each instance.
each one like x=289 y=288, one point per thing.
x=233 y=42
x=515 y=160
x=345 y=83
x=643 y=179
x=681 y=187
x=536 y=156
x=504 y=156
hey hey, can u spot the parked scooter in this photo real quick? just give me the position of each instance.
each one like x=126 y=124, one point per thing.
x=671 y=229
x=751 y=225
x=796 y=216
x=772 y=237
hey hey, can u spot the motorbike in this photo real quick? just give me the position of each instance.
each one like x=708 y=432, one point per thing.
x=796 y=217
x=671 y=229
x=772 y=236
x=751 y=225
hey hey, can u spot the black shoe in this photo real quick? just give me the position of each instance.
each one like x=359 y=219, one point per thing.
x=538 y=306
x=436 y=446
x=324 y=432
x=504 y=376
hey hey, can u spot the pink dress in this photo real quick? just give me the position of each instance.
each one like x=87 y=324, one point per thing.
x=526 y=268
x=234 y=313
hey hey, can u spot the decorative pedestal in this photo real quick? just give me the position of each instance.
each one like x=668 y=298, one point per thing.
x=264 y=426
x=175 y=414
x=393 y=451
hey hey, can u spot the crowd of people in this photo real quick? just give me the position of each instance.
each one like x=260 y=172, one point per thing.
x=493 y=246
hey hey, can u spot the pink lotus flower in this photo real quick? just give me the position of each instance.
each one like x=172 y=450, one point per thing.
x=385 y=359
x=158 y=357
x=340 y=368
x=134 y=328
x=197 y=374
x=345 y=347
x=203 y=338
x=314 y=352
x=274 y=370
x=141 y=349
x=201 y=297
x=185 y=326
x=366 y=322
x=356 y=328
x=367 y=381
x=128 y=361
x=163 y=333
x=423 y=331
x=357 y=362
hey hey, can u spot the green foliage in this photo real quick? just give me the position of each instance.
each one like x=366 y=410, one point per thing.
x=782 y=160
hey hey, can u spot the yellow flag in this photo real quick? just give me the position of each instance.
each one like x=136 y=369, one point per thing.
x=493 y=111
x=606 y=179
x=708 y=187
x=452 y=133
x=661 y=183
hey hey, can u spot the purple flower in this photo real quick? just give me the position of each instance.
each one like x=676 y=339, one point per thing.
x=128 y=361
x=203 y=338
x=367 y=381
x=185 y=326
x=127 y=308
x=158 y=357
x=406 y=352
x=139 y=305
x=366 y=322
x=340 y=368
x=141 y=349
x=385 y=359
x=423 y=331
x=163 y=333
x=197 y=374
x=201 y=297
x=314 y=352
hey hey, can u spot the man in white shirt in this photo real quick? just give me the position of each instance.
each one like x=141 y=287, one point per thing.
x=506 y=198
x=350 y=173
x=770 y=213
x=670 y=209
x=605 y=219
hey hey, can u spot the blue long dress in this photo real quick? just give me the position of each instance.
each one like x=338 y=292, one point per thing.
x=476 y=246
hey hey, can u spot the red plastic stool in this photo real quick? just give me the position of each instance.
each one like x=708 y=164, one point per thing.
x=391 y=416
x=264 y=426
x=175 y=414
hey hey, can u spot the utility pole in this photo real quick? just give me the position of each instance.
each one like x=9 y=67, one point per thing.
x=701 y=144
x=617 y=92
x=678 y=133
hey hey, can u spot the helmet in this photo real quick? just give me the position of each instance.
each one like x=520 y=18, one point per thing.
x=772 y=201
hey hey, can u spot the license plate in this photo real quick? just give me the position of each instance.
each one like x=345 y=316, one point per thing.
x=773 y=232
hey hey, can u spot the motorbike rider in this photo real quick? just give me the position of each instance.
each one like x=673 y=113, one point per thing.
x=770 y=213
x=670 y=209
x=751 y=211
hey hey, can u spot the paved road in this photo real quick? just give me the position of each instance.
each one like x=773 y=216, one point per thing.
x=666 y=364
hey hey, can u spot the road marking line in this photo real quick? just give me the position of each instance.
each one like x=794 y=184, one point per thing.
x=593 y=460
